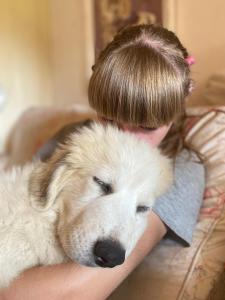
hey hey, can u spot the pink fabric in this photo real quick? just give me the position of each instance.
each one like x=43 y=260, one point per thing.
x=213 y=203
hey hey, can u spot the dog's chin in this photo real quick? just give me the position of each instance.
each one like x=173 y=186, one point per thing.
x=90 y=263
x=86 y=260
x=93 y=263
x=87 y=263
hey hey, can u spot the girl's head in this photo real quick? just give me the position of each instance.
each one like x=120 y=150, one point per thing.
x=141 y=79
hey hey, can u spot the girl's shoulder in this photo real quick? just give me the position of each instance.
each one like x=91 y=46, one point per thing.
x=188 y=157
x=178 y=208
x=188 y=169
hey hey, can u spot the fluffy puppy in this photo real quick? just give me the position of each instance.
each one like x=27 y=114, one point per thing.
x=87 y=203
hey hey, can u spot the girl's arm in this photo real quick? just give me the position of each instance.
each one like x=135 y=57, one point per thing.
x=73 y=281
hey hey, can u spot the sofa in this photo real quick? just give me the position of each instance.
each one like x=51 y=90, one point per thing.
x=170 y=271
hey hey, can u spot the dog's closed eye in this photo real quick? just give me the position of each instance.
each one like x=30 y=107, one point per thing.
x=142 y=208
x=105 y=187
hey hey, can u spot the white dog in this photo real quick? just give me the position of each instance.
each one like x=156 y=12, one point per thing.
x=87 y=203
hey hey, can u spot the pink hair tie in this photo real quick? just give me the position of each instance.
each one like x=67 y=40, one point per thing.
x=190 y=60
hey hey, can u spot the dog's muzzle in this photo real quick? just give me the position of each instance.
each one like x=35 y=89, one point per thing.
x=108 y=253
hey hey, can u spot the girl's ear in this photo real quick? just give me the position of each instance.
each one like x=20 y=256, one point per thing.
x=46 y=181
x=191 y=86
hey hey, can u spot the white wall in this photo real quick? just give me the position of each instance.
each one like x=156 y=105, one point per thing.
x=46 y=54
x=200 y=25
x=73 y=49
x=25 y=58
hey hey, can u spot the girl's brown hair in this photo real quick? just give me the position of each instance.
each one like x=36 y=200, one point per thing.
x=142 y=78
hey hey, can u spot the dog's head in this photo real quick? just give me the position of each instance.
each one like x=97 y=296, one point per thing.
x=103 y=182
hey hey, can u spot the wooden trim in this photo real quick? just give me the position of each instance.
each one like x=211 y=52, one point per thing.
x=89 y=36
x=169 y=10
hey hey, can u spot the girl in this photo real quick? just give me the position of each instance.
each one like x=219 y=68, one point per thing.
x=139 y=83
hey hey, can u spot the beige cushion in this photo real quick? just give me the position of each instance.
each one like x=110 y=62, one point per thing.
x=36 y=125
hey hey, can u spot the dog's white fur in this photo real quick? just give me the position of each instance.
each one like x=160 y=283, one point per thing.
x=53 y=211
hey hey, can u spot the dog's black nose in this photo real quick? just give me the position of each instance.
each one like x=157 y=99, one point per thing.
x=108 y=253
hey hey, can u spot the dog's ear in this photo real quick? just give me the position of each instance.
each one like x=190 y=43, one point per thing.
x=46 y=183
x=47 y=179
